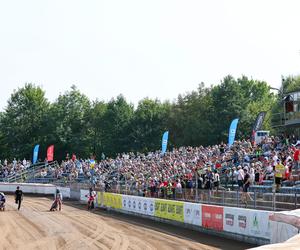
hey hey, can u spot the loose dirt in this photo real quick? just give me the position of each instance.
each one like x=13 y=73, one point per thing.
x=34 y=227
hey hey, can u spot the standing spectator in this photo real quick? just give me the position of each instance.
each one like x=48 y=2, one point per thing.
x=297 y=155
x=216 y=179
x=240 y=177
x=246 y=185
x=279 y=172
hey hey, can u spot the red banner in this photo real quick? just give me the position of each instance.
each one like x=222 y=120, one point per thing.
x=50 y=153
x=212 y=217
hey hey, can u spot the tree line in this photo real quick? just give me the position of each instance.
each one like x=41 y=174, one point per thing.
x=75 y=124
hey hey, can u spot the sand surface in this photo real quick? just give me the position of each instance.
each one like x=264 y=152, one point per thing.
x=34 y=227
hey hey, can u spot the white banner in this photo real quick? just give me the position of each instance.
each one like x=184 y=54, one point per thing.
x=192 y=213
x=259 y=224
x=140 y=205
x=64 y=191
x=236 y=220
x=83 y=195
x=247 y=222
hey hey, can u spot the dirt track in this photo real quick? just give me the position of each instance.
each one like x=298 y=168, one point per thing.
x=34 y=227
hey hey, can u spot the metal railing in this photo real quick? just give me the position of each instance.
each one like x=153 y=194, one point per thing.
x=29 y=173
x=255 y=199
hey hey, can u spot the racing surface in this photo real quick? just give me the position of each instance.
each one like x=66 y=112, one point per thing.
x=34 y=227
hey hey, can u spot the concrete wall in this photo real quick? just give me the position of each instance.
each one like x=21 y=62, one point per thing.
x=33 y=188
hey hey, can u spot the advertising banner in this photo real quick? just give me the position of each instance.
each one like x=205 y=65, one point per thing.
x=140 y=205
x=99 y=198
x=192 y=213
x=172 y=210
x=236 y=220
x=259 y=224
x=232 y=131
x=50 y=153
x=164 y=142
x=247 y=222
x=35 y=154
x=84 y=194
x=64 y=191
x=212 y=217
x=258 y=123
x=112 y=200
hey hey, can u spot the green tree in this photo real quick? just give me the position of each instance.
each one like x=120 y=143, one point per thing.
x=148 y=124
x=290 y=84
x=96 y=118
x=68 y=128
x=189 y=118
x=23 y=122
x=116 y=126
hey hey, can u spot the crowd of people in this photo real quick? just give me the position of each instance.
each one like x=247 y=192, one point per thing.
x=185 y=168
x=180 y=171
x=12 y=168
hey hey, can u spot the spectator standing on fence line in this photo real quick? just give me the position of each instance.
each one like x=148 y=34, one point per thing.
x=246 y=185
x=216 y=179
x=240 y=177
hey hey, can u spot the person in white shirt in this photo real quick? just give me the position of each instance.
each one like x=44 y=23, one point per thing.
x=240 y=177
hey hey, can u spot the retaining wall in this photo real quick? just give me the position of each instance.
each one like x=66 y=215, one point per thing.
x=32 y=188
x=248 y=225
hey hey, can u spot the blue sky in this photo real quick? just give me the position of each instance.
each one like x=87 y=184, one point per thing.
x=157 y=48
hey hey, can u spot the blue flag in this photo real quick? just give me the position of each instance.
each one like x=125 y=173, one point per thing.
x=232 y=131
x=164 y=142
x=35 y=153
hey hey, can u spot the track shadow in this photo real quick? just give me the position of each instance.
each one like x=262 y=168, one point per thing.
x=183 y=233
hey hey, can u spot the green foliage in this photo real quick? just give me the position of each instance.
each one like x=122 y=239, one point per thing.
x=147 y=125
x=116 y=126
x=74 y=124
x=290 y=84
x=22 y=123
x=68 y=129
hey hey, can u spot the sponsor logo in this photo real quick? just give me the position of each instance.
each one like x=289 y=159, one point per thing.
x=229 y=219
x=188 y=211
x=133 y=204
x=129 y=203
x=145 y=206
x=207 y=215
x=255 y=221
x=124 y=203
x=179 y=209
x=151 y=207
x=242 y=221
x=219 y=216
x=140 y=205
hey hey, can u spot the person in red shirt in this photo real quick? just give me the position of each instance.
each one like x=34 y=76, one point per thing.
x=297 y=155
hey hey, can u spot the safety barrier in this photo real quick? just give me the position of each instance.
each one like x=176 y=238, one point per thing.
x=32 y=188
x=247 y=225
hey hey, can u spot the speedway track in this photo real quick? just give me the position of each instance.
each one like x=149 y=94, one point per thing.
x=34 y=227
